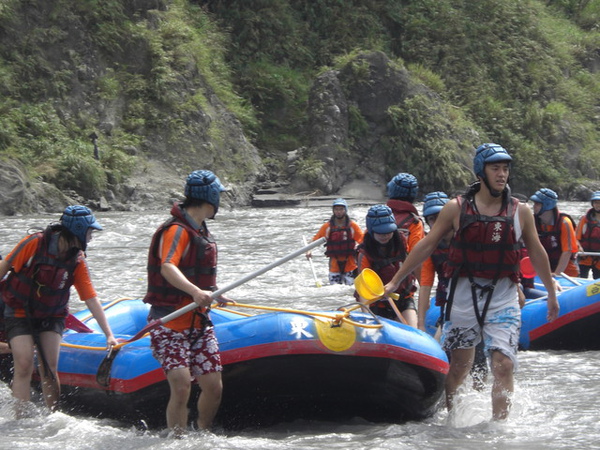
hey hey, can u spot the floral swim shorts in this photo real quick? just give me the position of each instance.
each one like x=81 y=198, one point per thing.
x=192 y=349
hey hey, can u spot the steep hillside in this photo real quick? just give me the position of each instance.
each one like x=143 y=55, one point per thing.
x=252 y=88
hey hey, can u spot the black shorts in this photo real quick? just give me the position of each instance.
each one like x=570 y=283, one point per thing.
x=16 y=326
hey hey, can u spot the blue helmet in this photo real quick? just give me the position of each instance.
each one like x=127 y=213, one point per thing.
x=488 y=153
x=380 y=219
x=547 y=197
x=340 y=202
x=204 y=185
x=433 y=203
x=595 y=196
x=78 y=219
x=403 y=185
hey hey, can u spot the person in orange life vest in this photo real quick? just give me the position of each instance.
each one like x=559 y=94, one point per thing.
x=383 y=250
x=402 y=191
x=182 y=268
x=556 y=231
x=342 y=234
x=588 y=235
x=435 y=264
x=483 y=267
x=41 y=270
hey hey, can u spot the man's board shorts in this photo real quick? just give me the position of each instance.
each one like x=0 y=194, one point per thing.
x=193 y=349
x=18 y=326
x=502 y=322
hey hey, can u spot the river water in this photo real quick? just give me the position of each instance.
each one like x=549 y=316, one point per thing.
x=557 y=394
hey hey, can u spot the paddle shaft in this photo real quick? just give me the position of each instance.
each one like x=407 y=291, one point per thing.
x=312 y=267
x=219 y=292
x=572 y=280
x=588 y=253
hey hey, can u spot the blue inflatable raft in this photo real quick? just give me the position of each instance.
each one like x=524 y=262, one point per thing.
x=576 y=328
x=278 y=366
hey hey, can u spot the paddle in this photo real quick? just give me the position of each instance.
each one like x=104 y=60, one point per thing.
x=73 y=323
x=572 y=280
x=103 y=374
x=312 y=267
x=588 y=253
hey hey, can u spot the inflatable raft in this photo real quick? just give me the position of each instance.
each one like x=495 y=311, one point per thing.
x=576 y=328
x=278 y=366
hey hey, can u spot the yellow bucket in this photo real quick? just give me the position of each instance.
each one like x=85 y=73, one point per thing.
x=368 y=285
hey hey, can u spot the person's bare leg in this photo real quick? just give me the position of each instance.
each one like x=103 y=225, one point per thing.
x=210 y=399
x=22 y=349
x=180 y=387
x=461 y=361
x=503 y=387
x=410 y=315
x=50 y=342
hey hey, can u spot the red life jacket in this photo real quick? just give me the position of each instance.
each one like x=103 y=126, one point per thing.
x=198 y=264
x=42 y=287
x=405 y=215
x=590 y=239
x=340 y=240
x=551 y=239
x=485 y=246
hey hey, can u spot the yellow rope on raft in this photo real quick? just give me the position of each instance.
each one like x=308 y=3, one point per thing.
x=336 y=318
x=343 y=316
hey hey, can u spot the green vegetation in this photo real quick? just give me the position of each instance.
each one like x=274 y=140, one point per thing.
x=521 y=73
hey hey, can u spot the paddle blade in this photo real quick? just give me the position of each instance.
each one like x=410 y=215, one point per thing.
x=140 y=334
x=103 y=374
x=73 y=323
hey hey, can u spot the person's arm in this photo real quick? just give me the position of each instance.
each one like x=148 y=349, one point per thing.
x=568 y=241
x=174 y=245
x=321 y=233
x=423 y=306
x=426 y=246
x=85 y=289
x=539 y=258
x=176 y=278
x=95 y=308
x=4 y=268
x=358 y=234
x=427 y=279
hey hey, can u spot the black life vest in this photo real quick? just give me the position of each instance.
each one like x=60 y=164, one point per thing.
x=198 y=264
x=42 y=286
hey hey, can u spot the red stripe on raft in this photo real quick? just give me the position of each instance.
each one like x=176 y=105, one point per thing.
x=578 y=314
x=263 y=351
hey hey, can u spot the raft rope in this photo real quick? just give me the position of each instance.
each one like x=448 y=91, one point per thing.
x=337 y=319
